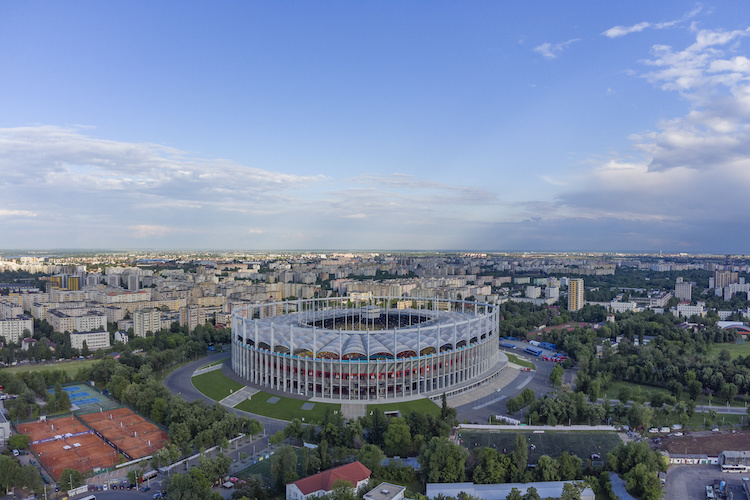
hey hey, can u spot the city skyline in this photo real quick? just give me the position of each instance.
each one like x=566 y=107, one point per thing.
x=492 y=127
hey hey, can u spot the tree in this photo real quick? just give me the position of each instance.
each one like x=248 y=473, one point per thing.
x=520 y=456
x=397 y=437
x=371 y=457
x=492 y=468
x=572 y=491
x=531 y=494
x=19 y=441
x=284 y=466
x=70 y=478
x=61 y=400
x=85 y=350
x=643 y=483
x=8 y=470
x=191 y=486
x=547 y=469
x=515 y=494
x=570 y=466
x=28 y=477
x=443 y=461
x=557 y=375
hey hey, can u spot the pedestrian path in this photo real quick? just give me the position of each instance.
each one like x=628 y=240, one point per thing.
x=238 y=397
x=507 y=377
x=351 y=411
x=201 y=371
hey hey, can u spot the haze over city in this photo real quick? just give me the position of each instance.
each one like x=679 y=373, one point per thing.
x=540 y=126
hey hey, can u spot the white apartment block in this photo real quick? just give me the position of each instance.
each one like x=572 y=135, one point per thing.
x=124 y=297
x=146 y=320
x=94 y=340
x=11 y=329
x=9 y=309
x=533 y=292
x=687 y=310
x=64 y=322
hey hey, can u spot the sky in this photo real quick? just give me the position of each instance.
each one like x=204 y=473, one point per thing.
x=410 y=125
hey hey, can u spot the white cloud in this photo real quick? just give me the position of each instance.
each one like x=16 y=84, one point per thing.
x=552 y=50
x=17 y=213
x=690 y=176
x=619 y=31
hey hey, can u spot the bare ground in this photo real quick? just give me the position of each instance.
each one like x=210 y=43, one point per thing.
x=707 y=442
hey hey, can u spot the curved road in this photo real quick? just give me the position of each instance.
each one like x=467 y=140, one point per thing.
x=180 y=384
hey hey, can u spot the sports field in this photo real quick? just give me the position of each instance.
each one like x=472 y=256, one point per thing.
x=65 y=443
x=581 y=444
x=130 y=433
x=86 y=398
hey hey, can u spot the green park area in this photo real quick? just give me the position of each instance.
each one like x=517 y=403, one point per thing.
x=643 y=393
x=580 y=444
x=215 y=385
x=735 y=350
x=69 y=367
x=420 y=405
x=268 y=405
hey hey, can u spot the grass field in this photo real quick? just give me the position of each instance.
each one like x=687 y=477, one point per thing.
x=697 y=421
x=735 y=350
x=215 y=385
x=581 y=444
x=420 y=405
x=284 y=408
x=69 y=367
x=522 y=362
x=645 y=392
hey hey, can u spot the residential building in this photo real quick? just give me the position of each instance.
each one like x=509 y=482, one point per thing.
x=575 y=294
x=94 y=340
x=321 y=483
x=725 y=278
x=386 y=491
x=146 y=320
x=12 y=329
x=76 y=320
x=683 y=290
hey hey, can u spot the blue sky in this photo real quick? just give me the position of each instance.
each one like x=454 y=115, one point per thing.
x=568 y=126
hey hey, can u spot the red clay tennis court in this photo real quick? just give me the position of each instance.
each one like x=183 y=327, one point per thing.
x=65 y=443
x=131 y=433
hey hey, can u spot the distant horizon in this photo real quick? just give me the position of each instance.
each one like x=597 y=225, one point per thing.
x=4 y=251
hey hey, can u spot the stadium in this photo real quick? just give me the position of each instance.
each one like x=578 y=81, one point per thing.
x=338 y=349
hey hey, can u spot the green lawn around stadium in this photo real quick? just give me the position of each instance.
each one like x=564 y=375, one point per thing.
x=215 y=385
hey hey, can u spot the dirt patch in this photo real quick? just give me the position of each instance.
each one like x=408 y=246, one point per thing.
x=707 y=443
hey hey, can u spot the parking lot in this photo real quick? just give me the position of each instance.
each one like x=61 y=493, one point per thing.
x=689 y=482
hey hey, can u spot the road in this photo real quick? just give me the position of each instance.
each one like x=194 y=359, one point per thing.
x=479 y=410
x=179 y=383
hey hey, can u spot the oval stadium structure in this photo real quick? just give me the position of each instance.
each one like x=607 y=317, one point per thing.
x=334 y=348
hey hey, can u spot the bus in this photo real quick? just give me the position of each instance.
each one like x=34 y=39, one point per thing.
x=534 y=351
x=149 y=475
x=735 y=468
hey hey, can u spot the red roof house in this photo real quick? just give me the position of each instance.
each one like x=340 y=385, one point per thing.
x=321 y=483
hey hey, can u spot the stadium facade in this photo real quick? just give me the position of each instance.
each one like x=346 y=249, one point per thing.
x=333 y=348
